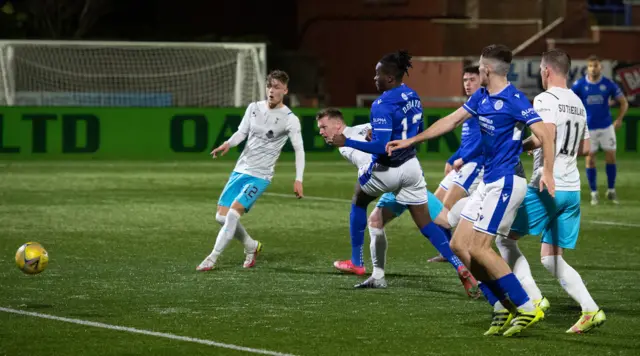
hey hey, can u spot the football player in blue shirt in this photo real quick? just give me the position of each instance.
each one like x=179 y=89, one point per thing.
x=596 y=90
x=503 y=112
x=395 y=114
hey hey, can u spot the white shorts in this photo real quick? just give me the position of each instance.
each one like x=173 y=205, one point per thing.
x=493 y=207
x=406 y=182
x=468 y=178
x=603 y=138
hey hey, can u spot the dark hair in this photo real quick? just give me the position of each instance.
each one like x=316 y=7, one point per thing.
x=499 y=52
x=471 y=69
x=397 y=63
x=279 y=75
x=593 y=58
x=557 y=59
x=332 y=113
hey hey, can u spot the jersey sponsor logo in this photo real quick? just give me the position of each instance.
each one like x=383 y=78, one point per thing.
x=379 y=121
x=527 y=112
x=595 y=99
x=486 y=124
x=498 y=105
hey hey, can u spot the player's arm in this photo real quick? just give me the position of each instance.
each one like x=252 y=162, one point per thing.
x=585 y=145
x=381 y=125
x=442 y=126
x=540 y=120
x=624 y=104
x=546 y=107
x=238 y=136
x=295 y=136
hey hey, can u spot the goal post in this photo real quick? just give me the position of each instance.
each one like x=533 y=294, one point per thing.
x=137 y=74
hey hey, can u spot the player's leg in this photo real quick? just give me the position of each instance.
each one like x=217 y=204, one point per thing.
x=499 y=208
x=531 y=219
x=414 y=195
x=247 y=189
x=358 y=222
x=590 y=163
x=609 y=148
x=562 y=233
x=251 y=246
x=385 y=211
x=439 y=214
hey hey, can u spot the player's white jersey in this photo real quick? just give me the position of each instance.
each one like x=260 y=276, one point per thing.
x=563 y=108
x=357 y=133
x=266 y=131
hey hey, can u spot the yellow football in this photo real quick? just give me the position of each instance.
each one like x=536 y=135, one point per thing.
x=32 y=258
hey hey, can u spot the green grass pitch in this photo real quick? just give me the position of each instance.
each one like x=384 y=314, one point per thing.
x=124 y=239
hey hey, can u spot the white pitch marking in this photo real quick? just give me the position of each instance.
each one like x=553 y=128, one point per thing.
x=144 y=332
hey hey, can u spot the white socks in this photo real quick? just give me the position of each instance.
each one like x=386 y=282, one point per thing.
x=226 y=232
x=240 y=234
x=378 y=248
x=571 y=281
x=519 y=265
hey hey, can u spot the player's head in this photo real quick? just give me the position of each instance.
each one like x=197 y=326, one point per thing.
x=471 y=79
x=330 y=122
x=391 y=68
x=495 y=61
x=554 y=66
x=277 y=87
x=594 y=66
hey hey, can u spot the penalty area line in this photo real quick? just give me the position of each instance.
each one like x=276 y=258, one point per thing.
x=144 y=332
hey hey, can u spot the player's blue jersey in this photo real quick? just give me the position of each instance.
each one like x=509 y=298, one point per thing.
x=502 y=117
x=398 y=111
x=470 y=149
x=595 y=97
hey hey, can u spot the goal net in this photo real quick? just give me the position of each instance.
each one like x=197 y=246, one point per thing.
x=133 y=74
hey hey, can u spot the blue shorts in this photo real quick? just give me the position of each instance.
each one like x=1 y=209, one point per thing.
x=388 y=200
x=244 y=189
x=557 y=219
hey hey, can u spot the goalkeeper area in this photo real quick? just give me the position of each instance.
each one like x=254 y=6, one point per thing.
x=131 y=74
x=124 y=239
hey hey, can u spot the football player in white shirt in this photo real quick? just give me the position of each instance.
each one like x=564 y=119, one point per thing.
x=556 y=219
x=266 y=125
x=331 y=122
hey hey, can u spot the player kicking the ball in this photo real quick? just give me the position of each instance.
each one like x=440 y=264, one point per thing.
x=266 y=125
x=503 y=112
x=395 y=114
x=331 y=122
x=556 y=219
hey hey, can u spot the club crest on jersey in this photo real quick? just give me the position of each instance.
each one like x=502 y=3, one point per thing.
x=404 y=96
x=270 y=134
x=498 y=105
x=603 y=87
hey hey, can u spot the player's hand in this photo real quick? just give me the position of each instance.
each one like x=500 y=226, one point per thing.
x=458 y=164
x=397 y=145
x=548 y=181
x=617 y=124
x=297 y=189
x=368 y=135
x=222 y=149
x=338 y=140
x=447 y=168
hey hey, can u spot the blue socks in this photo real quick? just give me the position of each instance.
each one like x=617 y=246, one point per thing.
x=357 y=225
x=591 y=177
x=510 y=285
x=491 y=298
x=611 y=175
x=438 y=239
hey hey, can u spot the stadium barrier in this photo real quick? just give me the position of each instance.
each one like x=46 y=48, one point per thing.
x=182 y=133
